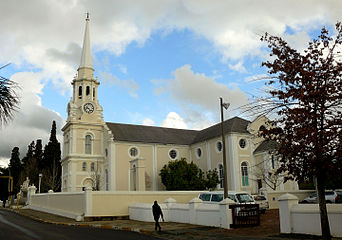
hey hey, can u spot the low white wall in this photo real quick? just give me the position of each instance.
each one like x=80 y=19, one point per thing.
x=305 y=218
x=273 y=196
x=194 y=212
x=69 y=205
x=99 y=203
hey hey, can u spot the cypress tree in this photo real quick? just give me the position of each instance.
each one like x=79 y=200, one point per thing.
x=15 y=168
x=51 y=166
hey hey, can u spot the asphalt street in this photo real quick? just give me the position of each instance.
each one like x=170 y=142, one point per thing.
x=14 y=226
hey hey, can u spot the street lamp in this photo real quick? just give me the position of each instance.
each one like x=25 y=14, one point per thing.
x=40 y=180
x=225 y=172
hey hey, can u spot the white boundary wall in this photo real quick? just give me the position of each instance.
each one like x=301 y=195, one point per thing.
x=305 y=218
x=79 y=205
x=194 y=212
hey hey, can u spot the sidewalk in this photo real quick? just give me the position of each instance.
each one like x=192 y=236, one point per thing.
x=268 y=229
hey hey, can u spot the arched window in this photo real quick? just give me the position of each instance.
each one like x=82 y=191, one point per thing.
x=84 y=166
x=92 y=167
x=93 y=93
x=272 y=162
x=80 y=92
x=244 y=173
x=107 y=180
x=221 y=175
x=87 y=145
x=87 y=90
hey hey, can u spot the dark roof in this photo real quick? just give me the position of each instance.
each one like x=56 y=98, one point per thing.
x=266 y=146
x=235 y=124
x=149 y=134
x=140 y=133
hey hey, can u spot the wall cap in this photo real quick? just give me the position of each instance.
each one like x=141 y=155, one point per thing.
x=170 y=200
x=227 y=201
x=196 y=200
x=287 y=196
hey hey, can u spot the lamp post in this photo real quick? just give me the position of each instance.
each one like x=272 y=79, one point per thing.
x=40 y=180
x=225 y=173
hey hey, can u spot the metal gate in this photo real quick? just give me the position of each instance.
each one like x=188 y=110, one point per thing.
x=245 y=215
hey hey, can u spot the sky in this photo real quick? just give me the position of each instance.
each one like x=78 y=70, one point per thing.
x=160 y=62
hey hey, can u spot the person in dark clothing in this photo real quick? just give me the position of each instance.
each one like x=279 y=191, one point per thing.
x=157 y=212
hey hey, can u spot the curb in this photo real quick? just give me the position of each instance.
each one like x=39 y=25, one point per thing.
x=103 y=226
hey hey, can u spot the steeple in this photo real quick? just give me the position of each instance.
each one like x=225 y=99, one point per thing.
x=85 y=69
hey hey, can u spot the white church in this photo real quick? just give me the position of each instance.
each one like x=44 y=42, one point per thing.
x=123 y=157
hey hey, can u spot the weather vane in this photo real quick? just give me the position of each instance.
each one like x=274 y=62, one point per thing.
x=87 y=15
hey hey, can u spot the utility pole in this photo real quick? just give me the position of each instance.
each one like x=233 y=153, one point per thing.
x=225 y=173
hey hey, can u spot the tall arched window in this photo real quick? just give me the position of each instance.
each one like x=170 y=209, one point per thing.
x=84 y=166
x=221 y=175
x=244 y=173
x=80 y=92
x=93 y=93
x=87 y=90
x=107 y=180
x=87 y=146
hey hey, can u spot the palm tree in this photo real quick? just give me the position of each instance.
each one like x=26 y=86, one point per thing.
x=8 y=99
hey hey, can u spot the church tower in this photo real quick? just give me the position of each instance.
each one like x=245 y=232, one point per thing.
x=83 y=132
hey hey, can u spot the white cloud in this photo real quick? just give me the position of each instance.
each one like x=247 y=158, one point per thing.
x=238 y=67
x=132 y=86
x=173 y=120
x=198 y=96
x=188 y=87
x=32 y=121
x=148 y=122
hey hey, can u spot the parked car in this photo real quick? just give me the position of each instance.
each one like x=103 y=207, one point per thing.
x=330 y=197
x=262 y=201
x=217 y=196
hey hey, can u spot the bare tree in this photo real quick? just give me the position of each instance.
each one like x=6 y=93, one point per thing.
x=305 y=93
x=266 y=171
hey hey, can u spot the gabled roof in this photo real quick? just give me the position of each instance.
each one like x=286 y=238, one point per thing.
x=149 y=134
x=235 y=124
x=266 y=145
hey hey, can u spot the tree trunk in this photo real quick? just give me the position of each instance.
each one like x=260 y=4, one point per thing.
x=323 y=209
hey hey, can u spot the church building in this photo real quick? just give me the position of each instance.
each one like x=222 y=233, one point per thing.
x=123 y=157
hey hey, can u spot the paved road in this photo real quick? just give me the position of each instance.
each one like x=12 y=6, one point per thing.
x=14 y=226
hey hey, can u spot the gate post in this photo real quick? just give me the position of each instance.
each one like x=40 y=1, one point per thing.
x=285 y=203
x=226 y=217
x=88 y=202
x=193 y=204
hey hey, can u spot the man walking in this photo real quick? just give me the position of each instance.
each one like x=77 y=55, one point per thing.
x=157 y=212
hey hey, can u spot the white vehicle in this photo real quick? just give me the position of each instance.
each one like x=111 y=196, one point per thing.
x=238 y=197
x=262 y=201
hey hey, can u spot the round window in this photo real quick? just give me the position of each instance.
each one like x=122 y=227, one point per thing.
x=133 y=152
x=173 y=154
x=243 y=143
x=199 y=152
x=219 y=146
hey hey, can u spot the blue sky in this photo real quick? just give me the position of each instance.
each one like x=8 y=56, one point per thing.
x=159 y=62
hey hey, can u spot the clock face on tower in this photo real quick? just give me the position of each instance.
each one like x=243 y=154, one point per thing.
x=88 y=108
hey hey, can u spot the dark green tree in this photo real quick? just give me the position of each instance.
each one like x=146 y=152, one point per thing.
x=15 y=168
x=38 y=153
x=30 y=166
x=29 y=154
x=181 y=175
x=51 y=166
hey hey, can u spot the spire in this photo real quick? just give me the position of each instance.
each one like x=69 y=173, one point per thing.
x=86 y=61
